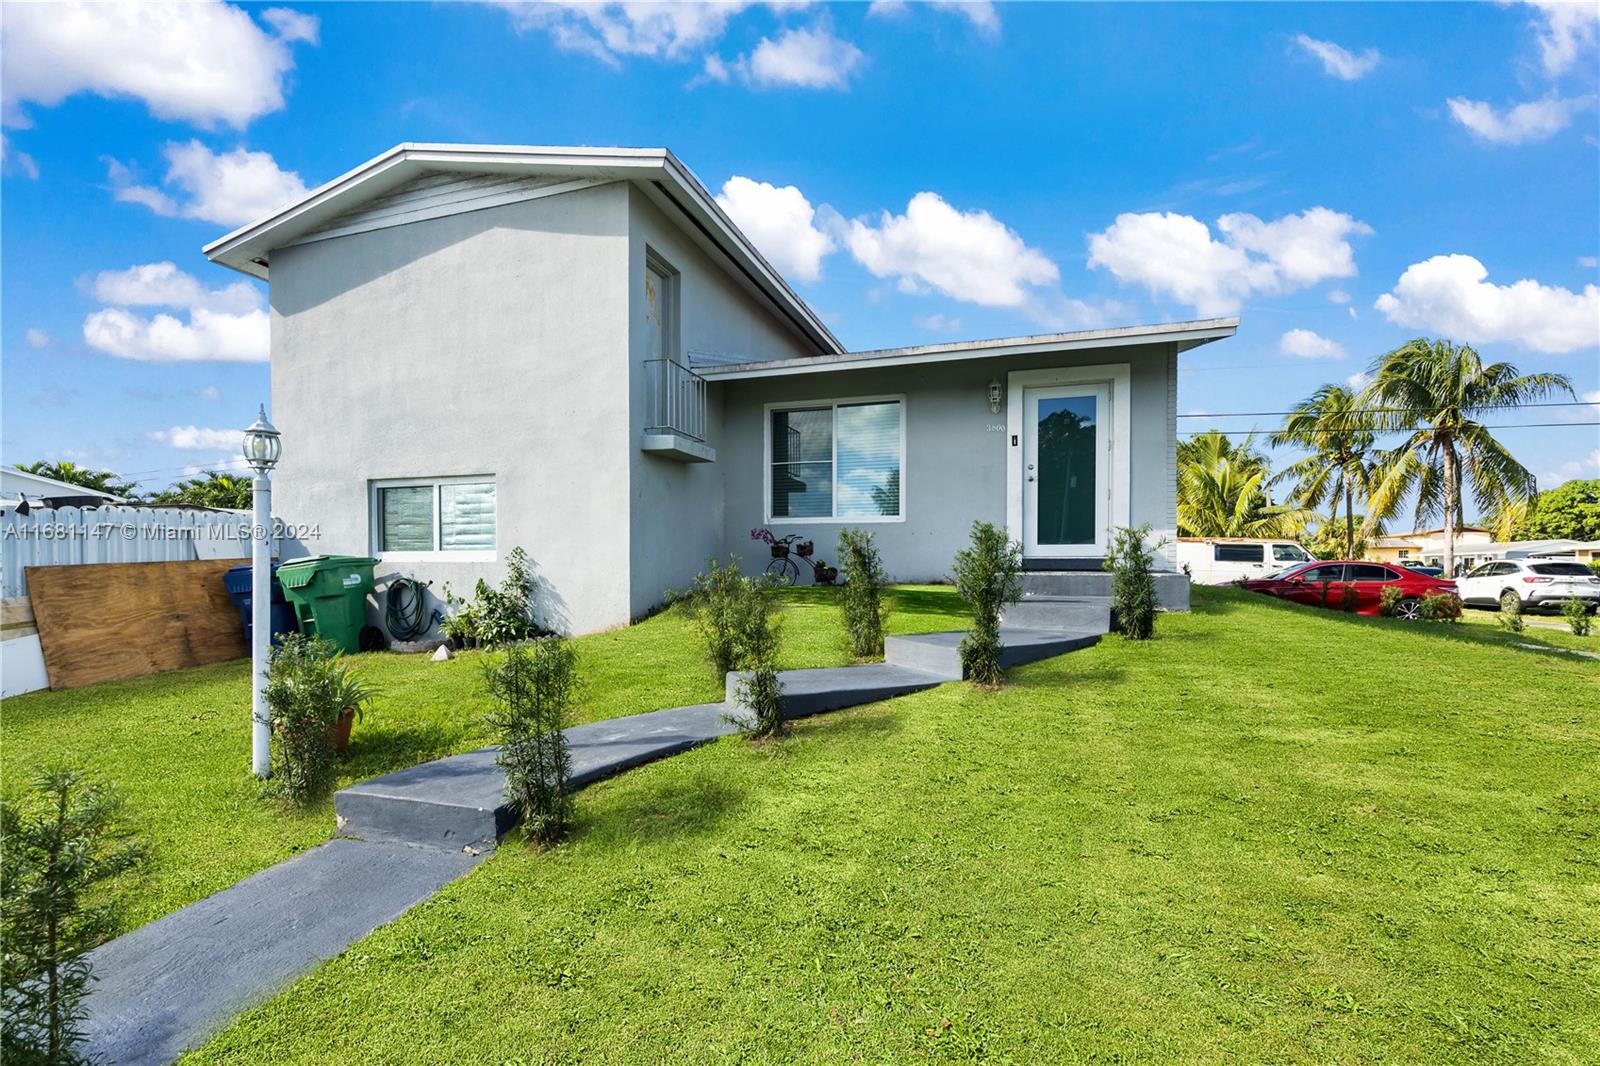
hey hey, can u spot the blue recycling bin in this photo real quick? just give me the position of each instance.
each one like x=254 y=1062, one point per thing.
x=238 y=582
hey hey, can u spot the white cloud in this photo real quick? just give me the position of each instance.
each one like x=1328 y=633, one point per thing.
x=1175 y=255
x=36 y=338
x=1536 y=120
x=1588 y=262
x=802 y=58
x=981 y=13
x=13 y=161
x=1338 y=296
x=939 y=323
x=201 y=62
x=224 y=325
x=1588 y=466
x=212 y=393
x=1449 y=295
x=781 y=222
x=1305 y=344
x=164 y=285
x=228 y=188
x=1338 y=62
x=292 y=25
x=969 y=255
x=609 y=30
x=195 y=437
x=1358 y=381
x=1566 y=29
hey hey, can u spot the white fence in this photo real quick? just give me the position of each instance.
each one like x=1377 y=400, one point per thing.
x=64 y=536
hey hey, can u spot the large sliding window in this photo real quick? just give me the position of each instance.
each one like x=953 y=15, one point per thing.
x=836 y=460
x=445 y=515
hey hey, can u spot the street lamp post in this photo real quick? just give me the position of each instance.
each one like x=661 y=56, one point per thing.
x=262 y=447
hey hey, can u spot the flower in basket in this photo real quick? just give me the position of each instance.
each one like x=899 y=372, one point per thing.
x=762 y=534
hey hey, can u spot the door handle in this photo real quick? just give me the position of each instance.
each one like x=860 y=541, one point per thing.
x=1031 y=478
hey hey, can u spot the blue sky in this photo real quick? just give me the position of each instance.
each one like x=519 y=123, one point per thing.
x=1343 y=176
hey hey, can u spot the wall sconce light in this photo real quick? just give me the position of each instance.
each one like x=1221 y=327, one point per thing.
x=994 y=396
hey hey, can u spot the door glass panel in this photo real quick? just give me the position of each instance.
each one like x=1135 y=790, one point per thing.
x=1065 y=513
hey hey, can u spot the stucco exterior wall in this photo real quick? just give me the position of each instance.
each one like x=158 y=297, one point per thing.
x=955 y=461
x=676 y=510
x=492 y=342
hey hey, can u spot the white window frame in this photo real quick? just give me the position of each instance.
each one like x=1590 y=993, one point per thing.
x=375 y=519
x=835 y=404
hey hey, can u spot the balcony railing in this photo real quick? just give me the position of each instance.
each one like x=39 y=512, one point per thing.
x=677 y=400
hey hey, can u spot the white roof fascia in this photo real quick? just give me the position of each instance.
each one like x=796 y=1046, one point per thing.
x=1185 y=334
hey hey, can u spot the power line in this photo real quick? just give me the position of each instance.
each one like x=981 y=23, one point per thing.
x=1384 y=410
x=1503 y=425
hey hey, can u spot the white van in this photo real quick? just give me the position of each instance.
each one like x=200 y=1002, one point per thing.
x=1220 y=560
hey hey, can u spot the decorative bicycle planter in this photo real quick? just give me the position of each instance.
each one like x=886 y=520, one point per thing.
x=785 y=550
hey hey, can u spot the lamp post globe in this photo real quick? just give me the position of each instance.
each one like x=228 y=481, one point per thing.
x=262 y=447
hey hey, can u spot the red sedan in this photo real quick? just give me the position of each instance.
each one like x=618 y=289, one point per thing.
x=1323 y=585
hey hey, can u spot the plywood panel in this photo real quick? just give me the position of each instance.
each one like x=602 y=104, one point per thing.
x=111 y=621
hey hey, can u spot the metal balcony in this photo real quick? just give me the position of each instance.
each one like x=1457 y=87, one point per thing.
x=675 y=423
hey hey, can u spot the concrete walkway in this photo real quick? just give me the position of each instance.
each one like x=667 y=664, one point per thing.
x=166 y=987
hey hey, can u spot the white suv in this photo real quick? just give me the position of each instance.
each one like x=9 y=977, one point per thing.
x=1533 y=584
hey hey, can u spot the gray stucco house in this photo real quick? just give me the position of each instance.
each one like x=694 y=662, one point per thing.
x=575 y=351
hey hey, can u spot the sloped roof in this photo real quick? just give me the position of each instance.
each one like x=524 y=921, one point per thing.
x=655 y=171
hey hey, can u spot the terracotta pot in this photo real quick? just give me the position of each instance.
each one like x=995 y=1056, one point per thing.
x=339 y=731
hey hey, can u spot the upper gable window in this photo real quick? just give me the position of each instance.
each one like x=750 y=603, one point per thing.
x=660 y=308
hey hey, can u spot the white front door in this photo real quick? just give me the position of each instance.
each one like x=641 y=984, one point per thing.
x=1066 y=475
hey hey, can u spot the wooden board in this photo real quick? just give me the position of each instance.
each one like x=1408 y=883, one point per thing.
x=112 y=621
x=16 y=618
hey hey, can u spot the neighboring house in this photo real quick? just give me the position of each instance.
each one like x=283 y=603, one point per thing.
x=41 y=491
x=1426 y=546
x=575 y=351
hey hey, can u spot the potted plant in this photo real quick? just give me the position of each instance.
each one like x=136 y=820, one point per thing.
x=825 y=574
x=350 y=695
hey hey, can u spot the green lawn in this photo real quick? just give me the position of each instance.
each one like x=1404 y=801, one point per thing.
x=1549 y=629
x=1271 y=835
x=178 y=744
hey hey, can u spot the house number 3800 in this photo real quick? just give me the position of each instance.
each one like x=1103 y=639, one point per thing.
x=995 y=427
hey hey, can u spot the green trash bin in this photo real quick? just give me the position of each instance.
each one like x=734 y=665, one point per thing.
x=329 y=594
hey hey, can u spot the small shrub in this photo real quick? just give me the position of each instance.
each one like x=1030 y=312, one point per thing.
x=1133 y=587
x=988 y=576
x=306 y=692
x=717 y=602
x=1388 y=600
x=1594 y=565
x=532 y=686
x=862 y=596
x=1440 y=607
x=62 y=841
x=1510 y=616
x=505 y=614
x=758 y=633
x=458 y=623
x=1576 y=612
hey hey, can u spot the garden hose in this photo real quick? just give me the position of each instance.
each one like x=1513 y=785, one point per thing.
x=405 y=609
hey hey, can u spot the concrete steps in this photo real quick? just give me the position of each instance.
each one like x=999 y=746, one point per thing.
x=1077 y=613
x=1172 y=587
x=939 y=654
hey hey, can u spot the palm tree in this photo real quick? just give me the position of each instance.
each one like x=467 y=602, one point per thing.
x=1331 y=425
x=95 y=480
x=216 y=489
x=1435 y=392
x=1222 y=491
